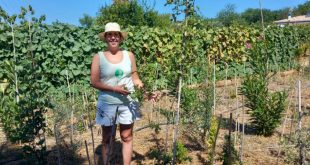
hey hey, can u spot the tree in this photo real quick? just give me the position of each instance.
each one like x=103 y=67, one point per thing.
x=228 y=15
x=281 y=13
x=254 y=16
x=251 y=15
x=118 y=1
x=131 y=13
x=154 y=19
x=302 y=9
x=86 y=20
x=180 y=6
x=124 y=13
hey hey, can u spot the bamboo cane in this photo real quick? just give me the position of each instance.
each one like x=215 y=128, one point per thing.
x=300 y=143
x=15 y=61
x=91 y=127
x=87 y=153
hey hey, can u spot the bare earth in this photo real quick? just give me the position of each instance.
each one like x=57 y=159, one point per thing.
x=255 y=149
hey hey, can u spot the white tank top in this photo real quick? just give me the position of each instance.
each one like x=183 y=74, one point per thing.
x=113 y=75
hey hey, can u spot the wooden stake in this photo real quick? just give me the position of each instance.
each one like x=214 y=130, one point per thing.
x=262 y=17
x=214 y=87
x=229 y=140
x=237 y=112
x=69 y=87
x=243 y=123
x=87 y=153
x=301 y=157
x=177 y=123
x=225 y=88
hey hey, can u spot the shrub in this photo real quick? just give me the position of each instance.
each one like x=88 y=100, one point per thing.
x=265 y=107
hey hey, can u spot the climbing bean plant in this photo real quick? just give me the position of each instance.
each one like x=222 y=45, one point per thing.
x=66 y=50
x=23 y=103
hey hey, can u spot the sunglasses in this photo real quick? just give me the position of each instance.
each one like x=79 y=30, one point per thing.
x=116 y=34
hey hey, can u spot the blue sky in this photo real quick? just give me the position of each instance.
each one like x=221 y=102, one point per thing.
x=69 y=11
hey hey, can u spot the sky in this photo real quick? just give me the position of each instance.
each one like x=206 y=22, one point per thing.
x=69 y=11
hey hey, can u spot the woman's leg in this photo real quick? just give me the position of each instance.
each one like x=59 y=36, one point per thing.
x=126 y=136
x=106 y=141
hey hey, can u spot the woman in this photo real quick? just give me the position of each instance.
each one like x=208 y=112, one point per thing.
x=114 y=73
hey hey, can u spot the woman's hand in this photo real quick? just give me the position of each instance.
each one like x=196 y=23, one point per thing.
x=139 y=84
x=121 y=89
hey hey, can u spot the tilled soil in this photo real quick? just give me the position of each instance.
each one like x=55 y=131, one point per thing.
x=252 y=149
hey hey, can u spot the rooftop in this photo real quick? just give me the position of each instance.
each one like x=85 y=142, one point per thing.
x=297 y=19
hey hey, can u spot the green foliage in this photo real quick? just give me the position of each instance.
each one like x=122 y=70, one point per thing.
x=302 y=9
x=190 y=104
x=182 y=6
x=66 y=51
x=234 y=157
x=155 y=127
x=131 y=13
x=196 y=107
x=291 y=155
x=156 y=52
x=78 y=99
x=51 y=56
x=86 y=21
x=265 y=108
x=228 y=16
x=163 y=158
x=124 y=13
x=167 y=113
x=212 y=132
x=154 y=19
x=253 y=16
x=182 y=153
x=138 y=94
x=207 y=102
x=282 y=41
x=25 y=103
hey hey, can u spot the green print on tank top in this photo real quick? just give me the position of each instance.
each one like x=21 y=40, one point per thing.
x=119 y=73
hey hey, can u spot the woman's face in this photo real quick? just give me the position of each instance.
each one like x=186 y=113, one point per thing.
x=113 y=39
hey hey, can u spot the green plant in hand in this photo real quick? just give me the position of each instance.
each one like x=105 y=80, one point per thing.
x=137 y=94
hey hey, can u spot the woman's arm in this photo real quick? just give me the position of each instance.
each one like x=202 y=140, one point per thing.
x=95 y=78
x=135 y=76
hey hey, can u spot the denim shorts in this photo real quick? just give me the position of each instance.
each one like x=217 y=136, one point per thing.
x=123 y=113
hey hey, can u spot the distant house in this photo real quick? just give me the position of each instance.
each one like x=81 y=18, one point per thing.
x=302 y=19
